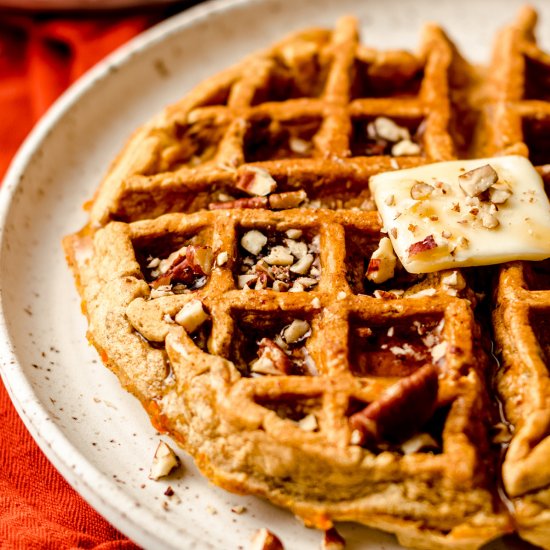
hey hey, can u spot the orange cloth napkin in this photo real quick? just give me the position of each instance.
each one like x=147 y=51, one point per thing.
x=39 y=57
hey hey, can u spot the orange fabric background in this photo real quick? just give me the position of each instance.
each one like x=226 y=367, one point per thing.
x=39 y=57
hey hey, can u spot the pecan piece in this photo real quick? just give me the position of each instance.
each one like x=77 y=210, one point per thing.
x=256 y=181
x=199 y=259
x=421 y=190
x=249 y=202
x=422 y=246
x=271 y=359
x=196 y=262
x=164 y=461
x=180 y=271
x=333 y=540
x=401 y=409
x=478 y=180
x=386 y=129
x=264 y=539
x=290 y=199
x=382 y=262
x=406 y=147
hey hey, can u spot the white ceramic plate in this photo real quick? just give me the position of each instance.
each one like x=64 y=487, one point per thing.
x=94 y=433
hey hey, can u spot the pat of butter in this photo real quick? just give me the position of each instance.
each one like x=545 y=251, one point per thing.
x=443 y=227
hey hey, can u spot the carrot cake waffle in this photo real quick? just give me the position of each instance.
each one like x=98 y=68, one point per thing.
x=239 y=276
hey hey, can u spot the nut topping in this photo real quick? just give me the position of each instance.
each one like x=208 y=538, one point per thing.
x=489 y=220
x=405 y=147
x=439 y=351
x=296 y=331
x=191 y=316
x=290 y=199
x=382 y=262
x=253 y=241
x=164 y=461
x=279 y=255
x=332 y=540
x=422 y=246
x=294 y=233
x=385 y=128
x=419 y=442
x=499 y=193
x=302 y=265
x=185 y=266
x=199 y=259
x=272 y=360
x=478 y=180
x=297 y=248
x=421 y=190
x=401 y=409
x=222 y=258
x=280 y=286
x=266 y=540
x=299 y=146
x=308 y=423
x=256 y=181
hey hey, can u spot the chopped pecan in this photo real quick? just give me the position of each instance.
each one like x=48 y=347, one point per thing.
x=478 y=180
x=400 y=410
x=191 y=316
x=179 y=272
x=333 y=540
x=302 y=265
x=197 y=262
x=199 y=259
x=386 y=129
x=419 y=442
x=421 y=190
x=296 y=331
x=308 y=423
x=264 y=539
x=499 y=193
x=271 y=359
x=279 y=255
x=249 y=202
x=256 y=181
x=253 y=241
x=422 y=246
x=382 y=262
x=299 y=146
x=290 y=199
x=406 y=147
x=489 y=221
x=164 y=461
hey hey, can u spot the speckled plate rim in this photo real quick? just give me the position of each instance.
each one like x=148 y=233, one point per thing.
x=85 y=478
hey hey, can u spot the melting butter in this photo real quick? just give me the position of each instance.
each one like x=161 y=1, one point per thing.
x=446 y=228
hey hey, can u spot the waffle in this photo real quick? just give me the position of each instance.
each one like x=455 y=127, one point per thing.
x=520 y=115
x=337 y=396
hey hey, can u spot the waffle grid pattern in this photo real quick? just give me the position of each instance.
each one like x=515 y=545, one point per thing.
x=520 y=116
x=169 y=178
